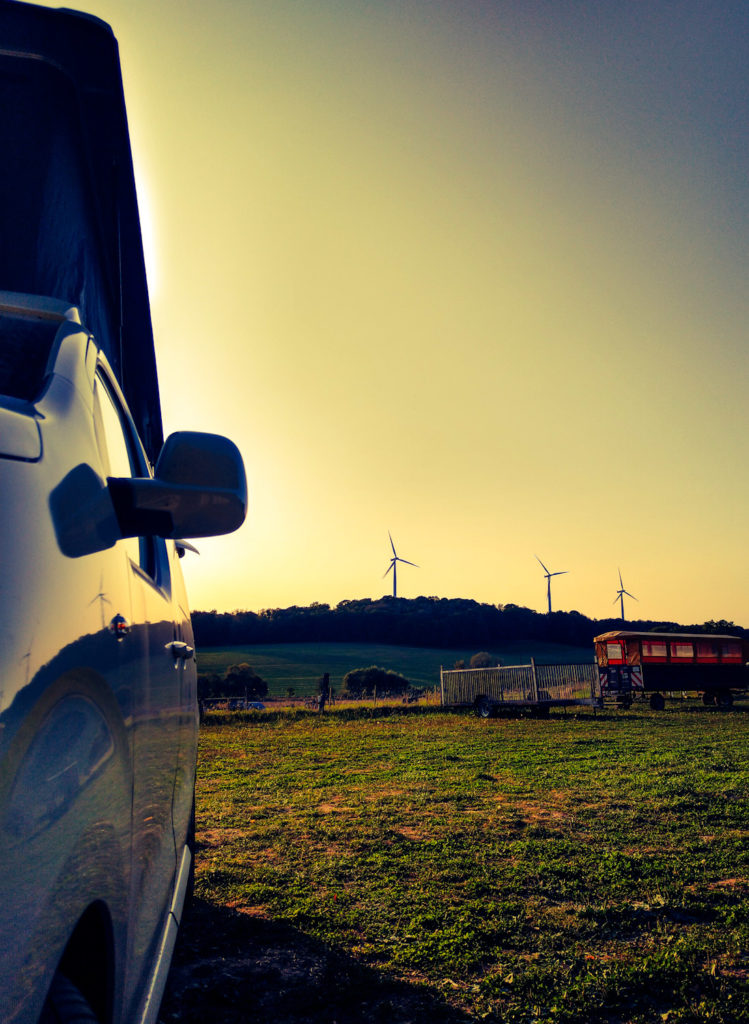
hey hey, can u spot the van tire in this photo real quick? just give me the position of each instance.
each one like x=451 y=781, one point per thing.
x=65 y=1004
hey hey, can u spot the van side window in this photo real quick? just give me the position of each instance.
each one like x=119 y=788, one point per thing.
x=113 y=447
x=123 y=456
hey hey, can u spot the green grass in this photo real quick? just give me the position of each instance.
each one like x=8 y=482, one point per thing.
x=301 y=665
x=586 y=868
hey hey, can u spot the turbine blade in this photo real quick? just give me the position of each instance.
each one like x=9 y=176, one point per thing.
x=387 y=570
x=620 y=578
x=392 y=545
x=631 y=595
x=408 y=563
x=562 y=572
x=542 y=564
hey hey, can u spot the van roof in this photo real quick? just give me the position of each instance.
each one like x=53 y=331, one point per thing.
x=69 y=224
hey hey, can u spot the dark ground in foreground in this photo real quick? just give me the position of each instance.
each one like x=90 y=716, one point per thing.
x=231 y=968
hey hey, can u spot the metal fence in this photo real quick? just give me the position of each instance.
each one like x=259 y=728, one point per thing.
x=522 y=684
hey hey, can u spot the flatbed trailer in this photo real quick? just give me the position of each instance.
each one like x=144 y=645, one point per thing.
x=536 y=688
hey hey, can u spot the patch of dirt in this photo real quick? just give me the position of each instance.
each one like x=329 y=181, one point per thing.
x=213 y=837
x=332 y=808
x=386 y=793
x=739 y=974
x=409 y=833
x=332 y=850
x=242 y=908
x=532 y=813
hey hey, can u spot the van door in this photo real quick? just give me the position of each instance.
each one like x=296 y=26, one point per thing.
x=155 y=682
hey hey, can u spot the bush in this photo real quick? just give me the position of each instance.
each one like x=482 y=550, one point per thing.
x=238 y=681
x=209 y=685
x=364 y=681
x=483 y=660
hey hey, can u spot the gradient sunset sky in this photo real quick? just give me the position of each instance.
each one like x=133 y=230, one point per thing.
x=471 y=272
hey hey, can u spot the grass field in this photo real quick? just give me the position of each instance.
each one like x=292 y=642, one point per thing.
x=300 y=666
x=426 y=866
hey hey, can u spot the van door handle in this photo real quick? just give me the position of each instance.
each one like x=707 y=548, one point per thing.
x=119 y=627
x=179 y=650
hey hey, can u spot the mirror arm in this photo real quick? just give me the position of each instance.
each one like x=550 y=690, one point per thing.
x=135 y=521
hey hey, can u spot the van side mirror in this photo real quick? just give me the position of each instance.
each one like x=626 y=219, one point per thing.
x=199 y=489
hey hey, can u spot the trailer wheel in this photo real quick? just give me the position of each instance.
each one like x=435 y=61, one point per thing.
x=484 y=707
x=724 y=699
x=708 y=699
x=657 y=702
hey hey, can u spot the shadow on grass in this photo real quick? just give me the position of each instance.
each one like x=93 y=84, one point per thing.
x=232 y=968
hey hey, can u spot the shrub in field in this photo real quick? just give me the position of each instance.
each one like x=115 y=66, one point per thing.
x=238 y=681
x=482 y=659
x=366 y=680
x=241 y=679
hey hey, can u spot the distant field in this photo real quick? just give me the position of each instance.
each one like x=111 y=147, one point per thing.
x=299 y=666
x=434 y=868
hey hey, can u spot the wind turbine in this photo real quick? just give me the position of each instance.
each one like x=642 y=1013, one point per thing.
x=548 y=575
x=102 y=598
x=393 y=561
x=620 y=594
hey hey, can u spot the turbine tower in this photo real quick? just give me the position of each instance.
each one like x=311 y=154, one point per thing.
x=393 y=562
x=620 y=594
x=102 y=598
x=548 y=575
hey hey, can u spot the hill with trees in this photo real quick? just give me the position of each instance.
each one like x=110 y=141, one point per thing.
x=420 y=622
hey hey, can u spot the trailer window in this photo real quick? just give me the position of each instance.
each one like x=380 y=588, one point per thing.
x=730 y=652
x=654 y=650
x=706 y=652
x=682 y=652
x=614 y=653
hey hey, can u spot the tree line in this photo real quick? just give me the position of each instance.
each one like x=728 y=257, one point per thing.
x=421 y=622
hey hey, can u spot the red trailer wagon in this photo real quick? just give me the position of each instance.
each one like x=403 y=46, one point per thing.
x=661 y=663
